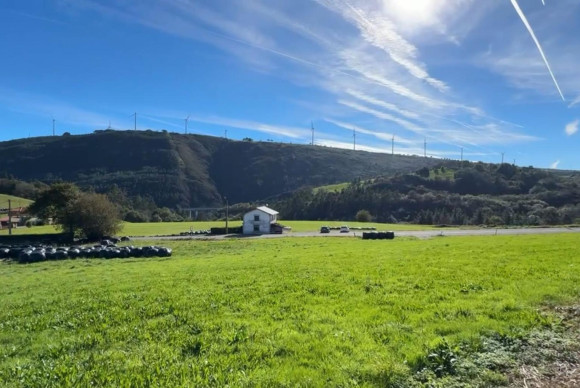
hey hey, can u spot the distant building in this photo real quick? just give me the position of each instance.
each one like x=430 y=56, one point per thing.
x=261 y=220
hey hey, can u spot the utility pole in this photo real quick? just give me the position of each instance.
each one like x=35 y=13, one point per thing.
x=514 y=162
x=502 y=157
x=312 y=127
x=425 y=148
x=226 y=134
x=186 y=121
x=462 y=154
x=227 y=214
x=393 y=145
x=53 y=121
x=9 y=217
x=354 y=139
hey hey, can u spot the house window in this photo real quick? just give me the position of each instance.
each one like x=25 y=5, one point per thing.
x=257 y=217
x=256 y=228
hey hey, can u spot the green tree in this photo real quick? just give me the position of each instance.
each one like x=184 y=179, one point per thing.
x=363 y=216
x=87 y=214
x=93 y=216
x=54 y=203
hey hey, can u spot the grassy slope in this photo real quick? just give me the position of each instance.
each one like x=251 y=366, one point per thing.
x=319 y=312
x=16 y=201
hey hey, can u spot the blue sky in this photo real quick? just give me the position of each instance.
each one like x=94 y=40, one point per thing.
x=488 y=77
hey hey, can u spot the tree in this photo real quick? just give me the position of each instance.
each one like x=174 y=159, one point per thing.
x=54 y=202
x=424 y=172
x=88 y=214
x=93 y=216
x=363 y=216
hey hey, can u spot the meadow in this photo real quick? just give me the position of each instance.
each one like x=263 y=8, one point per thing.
x=169 y=228
x=279 y=312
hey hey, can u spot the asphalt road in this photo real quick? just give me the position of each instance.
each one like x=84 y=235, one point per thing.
x=423 y=234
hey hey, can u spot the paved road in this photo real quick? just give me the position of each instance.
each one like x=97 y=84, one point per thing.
x=423 y=234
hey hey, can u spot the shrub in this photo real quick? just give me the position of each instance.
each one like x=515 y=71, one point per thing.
x=363 y=216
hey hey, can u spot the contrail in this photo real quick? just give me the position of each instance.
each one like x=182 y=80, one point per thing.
x=525 y=21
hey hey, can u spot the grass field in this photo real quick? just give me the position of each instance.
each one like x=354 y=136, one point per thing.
x=282 y=312
x=16 y=201
x=168 y=228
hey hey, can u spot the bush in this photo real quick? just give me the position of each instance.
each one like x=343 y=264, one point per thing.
x=363 y=216
x=135 y=216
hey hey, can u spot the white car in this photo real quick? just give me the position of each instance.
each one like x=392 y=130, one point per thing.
x=344 y=229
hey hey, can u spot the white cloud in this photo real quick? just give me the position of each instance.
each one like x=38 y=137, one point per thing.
x=574 y=102
x=383 y=116
x=280 y=130
x=572 y=128
x=555 y=164
x=44 y=106
x=382 y=104
x=367 y=54
x=379 y=135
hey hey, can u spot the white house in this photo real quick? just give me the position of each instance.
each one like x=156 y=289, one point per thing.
x=259 y=220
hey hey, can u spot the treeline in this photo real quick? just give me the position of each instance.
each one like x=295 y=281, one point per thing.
x=473 y=194
x=17 y=188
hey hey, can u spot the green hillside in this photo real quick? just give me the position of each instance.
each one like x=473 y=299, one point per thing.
x=472 y=194
x=16 y=201
x=191 y=170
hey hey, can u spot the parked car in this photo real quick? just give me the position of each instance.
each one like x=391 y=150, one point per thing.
x=344 y=229
x=325 y=229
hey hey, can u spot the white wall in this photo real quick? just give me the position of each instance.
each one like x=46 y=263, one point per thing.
x=263 y=224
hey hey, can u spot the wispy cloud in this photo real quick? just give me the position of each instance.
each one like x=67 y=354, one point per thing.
x=383 y=116
x=574 y=102
x=382 y=104
x=533 y=35
x=360 y=56
x=50 y=108
x=572 y=128
x=379 y=135
x=271 y=129
x=380 y=32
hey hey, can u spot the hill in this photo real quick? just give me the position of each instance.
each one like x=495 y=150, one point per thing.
x=178 y=170
x=468 y=194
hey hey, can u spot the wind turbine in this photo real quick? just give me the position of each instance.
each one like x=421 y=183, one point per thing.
x=186 y=121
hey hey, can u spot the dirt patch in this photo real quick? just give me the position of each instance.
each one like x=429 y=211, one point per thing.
x=552 y=359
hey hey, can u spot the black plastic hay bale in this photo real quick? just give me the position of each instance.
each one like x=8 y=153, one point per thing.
x=390 y=235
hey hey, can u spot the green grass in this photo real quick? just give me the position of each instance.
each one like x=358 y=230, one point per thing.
x=331 y=188
x=169 y=228
x=281 y=312
x=16 y=201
